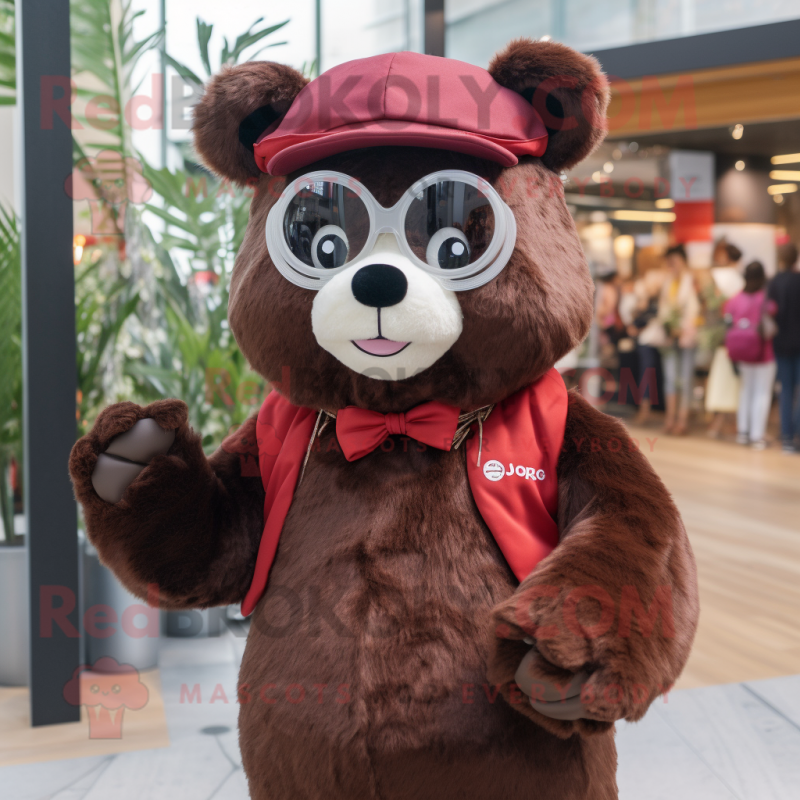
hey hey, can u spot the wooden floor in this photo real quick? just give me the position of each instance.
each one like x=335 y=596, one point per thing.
x=742 y=510
x=142 y=729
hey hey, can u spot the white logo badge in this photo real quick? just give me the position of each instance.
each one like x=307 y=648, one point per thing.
x=493 y=470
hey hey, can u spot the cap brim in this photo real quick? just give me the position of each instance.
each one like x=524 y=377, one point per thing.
x=281 y=155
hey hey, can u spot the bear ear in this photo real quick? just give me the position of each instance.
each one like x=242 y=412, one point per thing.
x=567 y=88
x=239 y=104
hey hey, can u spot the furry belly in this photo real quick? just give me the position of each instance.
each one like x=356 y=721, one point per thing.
x=367 y=654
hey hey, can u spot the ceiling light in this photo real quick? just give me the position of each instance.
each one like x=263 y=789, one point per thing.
x=644 y=216
x=778 y=198
x=738 y=131
x=546 y=38
x=782 y=188
x=785 y=175
x=789 y=158
x=608 y=167
x=739 y=165
x=665 y=202
x=598 y=177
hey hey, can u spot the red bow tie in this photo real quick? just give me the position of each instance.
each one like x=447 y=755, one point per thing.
x=360 y=431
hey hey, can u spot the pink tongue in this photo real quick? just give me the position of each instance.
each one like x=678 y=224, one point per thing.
x=380 y=347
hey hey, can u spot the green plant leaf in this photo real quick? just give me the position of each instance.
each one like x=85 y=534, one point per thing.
x=184 y=71
x=10 y=362
x=8 y=59
x=203 y=35
x=250 y=38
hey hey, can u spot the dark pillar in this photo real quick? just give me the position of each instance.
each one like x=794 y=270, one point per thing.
x=48 y=329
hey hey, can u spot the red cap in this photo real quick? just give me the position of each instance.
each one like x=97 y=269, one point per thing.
x=403 y=99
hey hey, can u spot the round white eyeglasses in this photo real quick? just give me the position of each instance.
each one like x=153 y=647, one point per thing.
x=452 y=224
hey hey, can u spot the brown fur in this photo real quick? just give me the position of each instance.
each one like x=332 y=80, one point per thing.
x=567 y=88
x=391 y=627
x=619 y=528
x=386 y=581
x=190 y=525
x=230 y=97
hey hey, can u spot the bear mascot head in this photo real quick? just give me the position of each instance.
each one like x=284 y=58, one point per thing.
x=416 y=245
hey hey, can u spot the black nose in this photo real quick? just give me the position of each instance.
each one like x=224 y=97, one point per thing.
x=379 y=285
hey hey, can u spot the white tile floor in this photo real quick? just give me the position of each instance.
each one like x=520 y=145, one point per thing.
x=733 y=742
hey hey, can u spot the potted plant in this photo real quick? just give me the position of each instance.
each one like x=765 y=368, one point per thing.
x=196 y=357
x=13 y=555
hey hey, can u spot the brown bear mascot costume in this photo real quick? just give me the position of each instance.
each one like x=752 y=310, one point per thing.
x=470 y=572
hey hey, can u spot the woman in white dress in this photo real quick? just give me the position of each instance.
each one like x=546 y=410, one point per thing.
x=722 y=388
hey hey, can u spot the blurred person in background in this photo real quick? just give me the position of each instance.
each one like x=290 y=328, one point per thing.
x=627 y=357
x=645 y=328
x=784 y=291
x=607 y=309
x=750 y=347
x=628 y=304
x=678 y=311
x=722 y=387
x=609 y=325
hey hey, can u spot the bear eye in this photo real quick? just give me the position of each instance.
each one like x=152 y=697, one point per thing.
x=448 y=249
x=94 y=688
x=329 y=247
x=116 y=688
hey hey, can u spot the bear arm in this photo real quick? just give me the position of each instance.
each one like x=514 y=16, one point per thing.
x=188 y=525
x=618 y=596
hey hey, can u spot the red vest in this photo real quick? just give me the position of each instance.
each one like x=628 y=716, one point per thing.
x=515 y=487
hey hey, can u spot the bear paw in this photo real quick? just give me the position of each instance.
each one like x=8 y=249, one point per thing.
x=124 y=440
